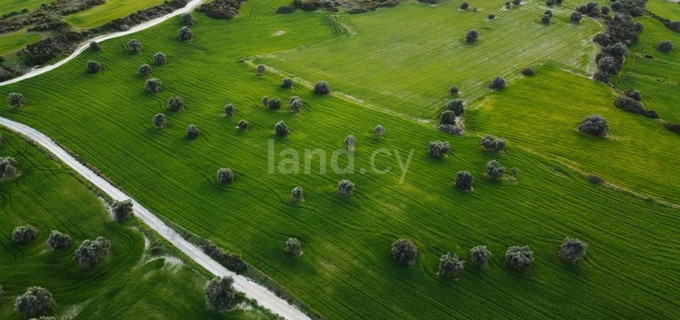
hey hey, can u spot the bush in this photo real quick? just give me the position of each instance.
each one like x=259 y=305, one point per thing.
x=122 y=210
x=674 y=127
x=345 y=188
x=242 y=125
x=529 y=72
x=92 y=252
x=350 y=142
x=185 y=34
x=220 y=9
x=230 y=260
x=154 y=85
x=665 y=46
x=229 y=110
x=464 y=180
x=519 y=258
x=594 y=125
x=134 y=46
x=451 y=129
x=175 y=103
x=93 y=67
x=379 y=131
x=604 y=10
x=281 y=129
x=471 y=36
x=404 y=252
x=8 y=167
x=159 y=121
x=187 y=19
x=447 y=117
x=516 y=2
x=573 y=250
x=295 y=104
x=495 y=170
x=94 y=46
x=617 y=49
x=265 y=101
x=602 y=76
x=464 y=6
x=453 y=90
x=16 y=100
x=491 y=143
x=608 y=64
x=634 y=94
x=545 y=19
x=220 y=293
x=261 y=69
x=595 y=179
x=144 y=70
x=498 y=83
x=438 y=148
x=287 y=83
x=630 y=105
x=322 y=87
x=274 y=104
x=293 y=247
x=480 y=255
x=225 y=176
x=548 y=13
x=450 y=266
x=491 y=16
x=192 y=132
x=160 y=58
x=457 y=106
x=24 y=234
x=34 y=302
x=297 y=194
x=58 y=240
x=576 y=16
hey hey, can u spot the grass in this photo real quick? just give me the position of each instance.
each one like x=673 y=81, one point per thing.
x=346 y=271
x=665 y=8
x=7 y=6
x=12 y=42
x=111 y=10
x=124 y=286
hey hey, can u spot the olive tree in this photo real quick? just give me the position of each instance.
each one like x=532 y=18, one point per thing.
x=134 y=46
x=261 y=69
x=160 y=58
x=493 y=144
x=464 y=180
x=287 y=83
x=159 y=121
x=322 y=87
x=220 y=294
x=293 y=247
x=480 y=255
x=187 y=19
x=297 y=194
x=154 y=85
x=594 y=125
x=242 y=125
x=93 y=67
x=175 y=103
x=498 y=83
x=225 y=176
x=447 y=117
x=634 y=94
x=573 y=250
x=546 y=19
x=617 y=49
x=295 y=104
x=456 y=105
x=265 y=101
x=494 y=170
x=229 y=110
x=144 y=70
x=16 y=100
x=519 y=258
x=576 y=16
x=8 y=167
x=274 y=104
x=345 y=188
x=438 y=148
x=464 y=6
x=450 y=265
x=608 y=64
x=281 y=129
x=192 y=132
x=122 y=210
x=665 y=46
x=404 y=252
x=491 y=16
x=379 y=131
x=350 y=142
x=453 y=90
x=24 y=234
x=34 y=302
x=185 y=34
x=91 y=252
x=471 y=36
x=94 y=46
x=58 y=240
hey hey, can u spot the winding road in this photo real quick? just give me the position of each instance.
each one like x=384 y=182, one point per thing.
x=252 y=290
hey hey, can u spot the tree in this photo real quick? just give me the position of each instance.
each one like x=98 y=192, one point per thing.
x=594 y=125
x=220 y=293
x=265 y=101
x=456 y=105
x=134 y=46
x=447 y=117
x=242 y=125
x=498 y=83
x=576 y=16
x=159 y=121
x=144 y=70
x=94 y=46
x=154 y=85
x=494 y=144
x=192 y=132
x=514 y=171
x=8 y=167
x=175 y=103
x=16 y=100
x=516 y=2
x=573 y=250
x=665 y=46
x=545 y=19
x=404 y=252
x=450 y=265
x=630 y=105
x=225 y=176
x=634 y=94
x=261 y=69
x=480 y=255
x=160 y=58
x=491 y=16
x=295 y=104
x=122 y=210
x=605 y=10
x=548 y=13
x=274 y=104
x=322 y=87
x=379 y=131
x=471 y=36
x=24 y=234
x=529 y=72
x=519 y=258
x=185 y=34
x=617 y=49
x=464 y=6
x=34 y=302
x=293 y=247
x=229 y=110
x=494 y=170
x=608 y=64
x=453 y=90
x=438 y=148
x=281 y=129
x=91 y=252
x=287 y=83
x=345 y=188
x=464 y=180
x=297 y=194
x=58 y=240
x=187 y=19
x=93 y=67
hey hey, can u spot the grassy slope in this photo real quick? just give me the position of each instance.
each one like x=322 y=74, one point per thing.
x=49 y=197
x=658 y=79
x=346 y=271
x=7 y=6
x=112 y=9
x=665 y=8
x=14 y=41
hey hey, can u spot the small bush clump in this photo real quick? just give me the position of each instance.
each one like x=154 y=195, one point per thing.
x=160 y=58
x=464 y=180
x=220 y=294
x=494 y=170
x=345 y=188
x=185 y=34
x=456 y=105
x=159 y=121
x=192 y=132
x=187 y=19
x=93 y=67
x=122 y=210
x=447 y=117
x=94 y=46
x=519 y=258
x=594 y=125
x=229 y=110
x=665 y=46
x=450 y=265
x=297 y=194
x=480 y=255
x=242 y=125
x=471 y=36
x=492 y=143
x=225 y=176
x=8 y=167
x=322 y=87
x=34 y=302
x=58 y=240
x=24 y=234
x=404 y=252
x=274 y=104
x=573 y=250
x=134 y=46
x=16 y=100
x=293 y=247
x=281 y=129
x=175 y=104
x=144 y=70
x=154 y=85
x=91 y=252
x=295 y=104
x=438 y=148
x=287 y=83
x=379 y=131
x=498 y=83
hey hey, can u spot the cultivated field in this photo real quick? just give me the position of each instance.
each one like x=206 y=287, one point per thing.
x=112 y=9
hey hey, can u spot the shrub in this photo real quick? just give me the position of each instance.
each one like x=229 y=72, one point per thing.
x=630 y=105
x=617 y=49
x=322 y=87
x=545 y=19
x=94 y=46
x=242 y=125
x=494 y=170
x=175 y=103
x=491 y=143
x=154 y=85
x=185 y=34
x=34 y=302
x=450 y=265
x=516 y=2
x=548 y=13
x=229 y=110
x=573 y=250
x=297 y=194
x=604 y=10
x=92 y=252
x=491 y=16
x=159 y=121
x=576 y=16
x=519 y=258
x=230 y=260
x=24 y=234
x=281 y=129
x=144 y=70
x=457 y=106
x=265 y=101
x=379 y=131
x=93 y=67
x=293 y=247
x=220 y=293
x=438 y=148
x=471 y=36
x=160 y=58
x=451 y=129
x=508 y=5
x=595 y=179
x=447 y=117
x=261 y=69
x=674 y=127
x=594 y=125
x=529 y=72
x=8 y=167
x=134 y=46
x=345 y=188
x=122 y=210
x=498 y=83
x=602 y=76
x=58 y=240
x=287 y=83
x=295 y=104
x=350 y=142
x=274 y=104
x=480 y=255
x=514 y=171
x=16 y=100
x=634 y=94
x=608 y=64
x=665 y=46
x=192 y=132
x=404 y=252
x=464 y=6
x=453 y=90
x=187 y=19
x=464 y=180
x=225 y=176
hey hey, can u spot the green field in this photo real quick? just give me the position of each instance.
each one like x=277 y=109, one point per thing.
x=346 y=271
x=124 y=286
x=111 y=10
x=665 y=8
x=12 y=42
x=7 y=6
